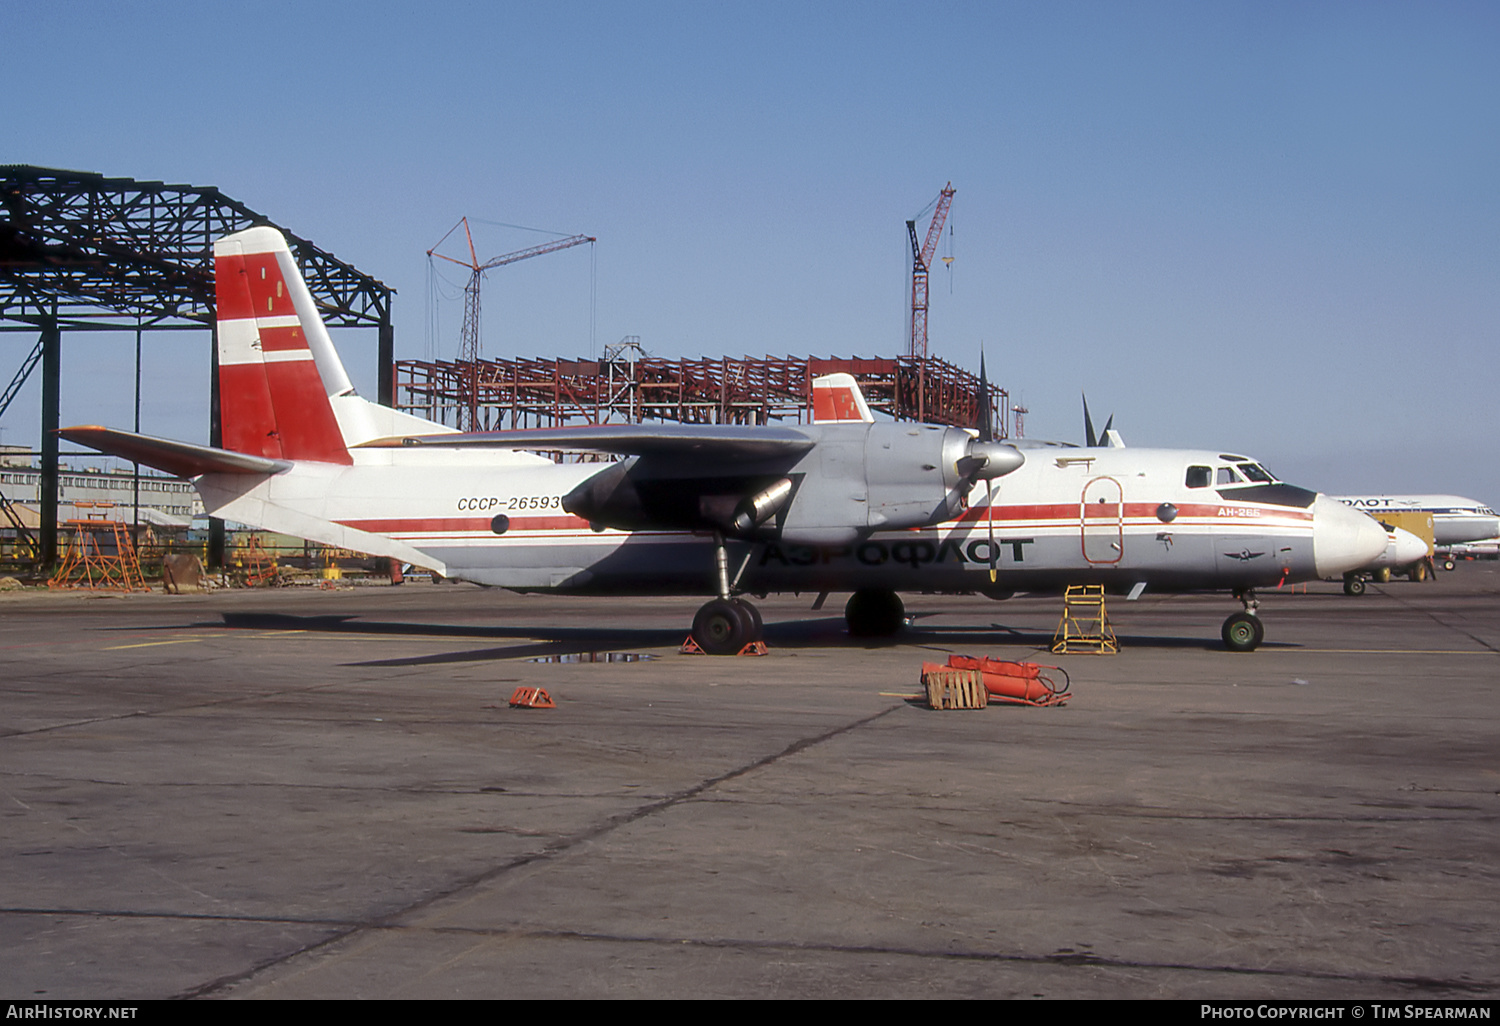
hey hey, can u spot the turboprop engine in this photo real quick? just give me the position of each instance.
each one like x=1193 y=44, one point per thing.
x=849 y=480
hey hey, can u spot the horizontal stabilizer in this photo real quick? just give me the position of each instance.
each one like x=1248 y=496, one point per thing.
x=701 y=441
x=180 y=458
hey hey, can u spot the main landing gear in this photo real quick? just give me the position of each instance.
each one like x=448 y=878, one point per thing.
x=1243 y=632
x=726 y=625
x=874 y=613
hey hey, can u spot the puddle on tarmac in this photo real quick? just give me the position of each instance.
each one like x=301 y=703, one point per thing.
x=595 y=657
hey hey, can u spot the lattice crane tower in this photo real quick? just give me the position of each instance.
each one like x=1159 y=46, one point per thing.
x=921 y=258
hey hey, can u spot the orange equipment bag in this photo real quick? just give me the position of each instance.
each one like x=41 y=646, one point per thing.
x=1020 y=683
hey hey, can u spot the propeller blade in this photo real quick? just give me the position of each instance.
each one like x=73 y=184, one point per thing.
x=986 y=428
x=1089 y=438
x=989 y=516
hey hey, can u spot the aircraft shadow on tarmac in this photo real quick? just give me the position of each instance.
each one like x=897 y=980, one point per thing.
x=538 y=641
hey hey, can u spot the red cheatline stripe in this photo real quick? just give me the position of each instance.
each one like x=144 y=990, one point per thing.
x=427 y=524
x=1133 y=510
x=572 y=523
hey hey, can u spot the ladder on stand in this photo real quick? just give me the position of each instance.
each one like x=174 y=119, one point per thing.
x=1085 y=622
x=100 y=557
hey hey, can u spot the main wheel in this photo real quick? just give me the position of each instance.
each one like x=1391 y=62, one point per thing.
x=722 y=627
x=874 y=613
x=1383 y=575
x=1243 y=632
x=1417 y=572
x=752 y=614
x=1354 y=585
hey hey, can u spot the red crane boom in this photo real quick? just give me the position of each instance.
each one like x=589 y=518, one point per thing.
x=921 y=257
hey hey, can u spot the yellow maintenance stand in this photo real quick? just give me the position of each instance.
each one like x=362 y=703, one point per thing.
x=1085 y=622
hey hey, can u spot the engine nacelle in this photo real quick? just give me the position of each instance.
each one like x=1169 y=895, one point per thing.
x=857 y=478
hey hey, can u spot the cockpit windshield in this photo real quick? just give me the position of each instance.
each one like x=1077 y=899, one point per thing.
x=1257 y=473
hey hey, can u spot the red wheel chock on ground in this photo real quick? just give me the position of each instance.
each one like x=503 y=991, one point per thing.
x=531 y=698
x=755 y=648
x=1017 y=683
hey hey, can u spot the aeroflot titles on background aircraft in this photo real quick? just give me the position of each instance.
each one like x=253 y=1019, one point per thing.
x=1454 y=518
x=843 y=504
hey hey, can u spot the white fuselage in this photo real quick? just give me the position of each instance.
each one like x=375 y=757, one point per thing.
x=1121 y=517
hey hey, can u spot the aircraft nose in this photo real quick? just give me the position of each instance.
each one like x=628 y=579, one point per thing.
x=1344 y=539
x=1409 y=548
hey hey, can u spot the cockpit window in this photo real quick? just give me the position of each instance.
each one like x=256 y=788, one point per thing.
x=1228 y=476
x=1200 y=477
x=1257 y=473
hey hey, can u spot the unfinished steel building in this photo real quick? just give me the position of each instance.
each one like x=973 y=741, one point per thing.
x=628 y=386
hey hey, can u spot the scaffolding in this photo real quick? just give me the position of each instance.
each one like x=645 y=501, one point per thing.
x=100 y=557
x=629 y=386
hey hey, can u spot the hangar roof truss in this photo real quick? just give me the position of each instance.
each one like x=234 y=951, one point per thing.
x=103 y=252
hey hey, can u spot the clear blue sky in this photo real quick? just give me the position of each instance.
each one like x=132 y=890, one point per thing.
x=1266 y=227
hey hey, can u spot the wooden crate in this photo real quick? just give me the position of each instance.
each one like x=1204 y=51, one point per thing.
x=954 y=689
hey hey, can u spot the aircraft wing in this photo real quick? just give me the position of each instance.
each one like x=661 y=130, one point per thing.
x=702 y=441
x=180 y=458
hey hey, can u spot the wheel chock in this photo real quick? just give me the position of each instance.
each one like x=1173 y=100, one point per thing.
x=755 y=648
x=531 y=698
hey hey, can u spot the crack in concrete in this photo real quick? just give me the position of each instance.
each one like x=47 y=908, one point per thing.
x=547 y=852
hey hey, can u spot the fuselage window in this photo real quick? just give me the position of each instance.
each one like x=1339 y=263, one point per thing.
x=1227 y=476
x=1199 y=477
x=1257 y=473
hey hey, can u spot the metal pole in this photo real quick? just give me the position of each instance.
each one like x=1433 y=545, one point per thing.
x=385 y=359
x=51 y=422
x=135 y=525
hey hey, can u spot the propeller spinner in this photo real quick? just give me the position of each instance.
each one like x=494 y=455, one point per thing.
x=986 y=458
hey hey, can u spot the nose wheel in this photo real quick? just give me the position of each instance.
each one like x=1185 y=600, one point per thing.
x=1243 y=632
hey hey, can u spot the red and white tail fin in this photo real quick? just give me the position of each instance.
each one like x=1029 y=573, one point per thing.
x=837 y=399
x=277 y=366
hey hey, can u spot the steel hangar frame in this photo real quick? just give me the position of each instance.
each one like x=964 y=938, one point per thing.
x=81 y=251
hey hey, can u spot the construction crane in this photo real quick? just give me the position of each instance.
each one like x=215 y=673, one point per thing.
x=921 y=257
x=469 y=343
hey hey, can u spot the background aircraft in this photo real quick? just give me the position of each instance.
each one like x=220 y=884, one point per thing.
x=842 y=504
x=1454 y=518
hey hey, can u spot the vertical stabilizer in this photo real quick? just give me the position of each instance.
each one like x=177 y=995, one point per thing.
x=277 y=365
x=837 y=399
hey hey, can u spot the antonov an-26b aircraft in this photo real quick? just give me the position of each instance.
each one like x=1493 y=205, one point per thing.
x=842 y=504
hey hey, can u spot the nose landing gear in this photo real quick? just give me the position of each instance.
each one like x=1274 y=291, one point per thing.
x=1243 y=632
